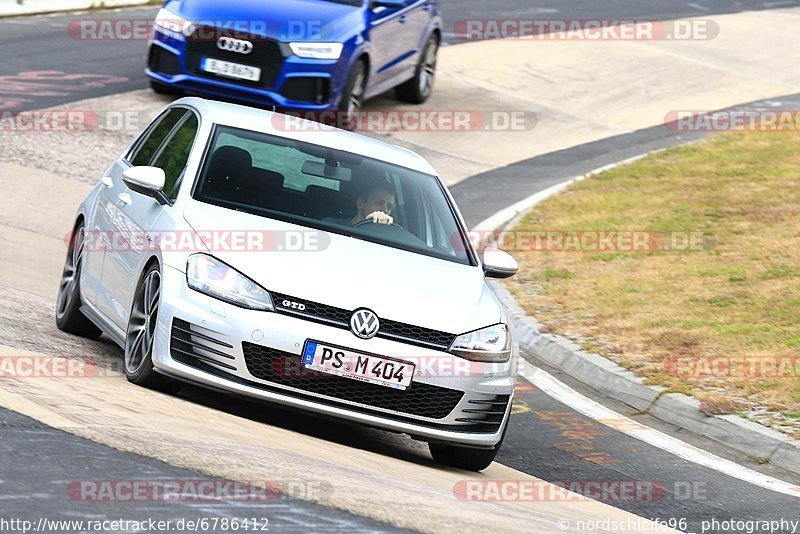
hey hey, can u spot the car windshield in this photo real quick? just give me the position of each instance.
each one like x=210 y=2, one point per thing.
x=331 y=190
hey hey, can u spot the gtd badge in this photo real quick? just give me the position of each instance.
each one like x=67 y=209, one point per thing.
x=364 y=323
x=293 y=305
x=229 y=44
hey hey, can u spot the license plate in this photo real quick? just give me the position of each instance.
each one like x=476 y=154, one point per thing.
x=231 y=70
x=356 y=365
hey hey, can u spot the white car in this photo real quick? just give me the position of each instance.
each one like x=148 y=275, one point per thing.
x=308 y=266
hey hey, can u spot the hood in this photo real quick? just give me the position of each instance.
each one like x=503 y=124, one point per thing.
x=350 y=273
x=282 y=20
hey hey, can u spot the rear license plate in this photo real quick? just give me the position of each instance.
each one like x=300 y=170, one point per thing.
x=357 y=365
x=230 y=70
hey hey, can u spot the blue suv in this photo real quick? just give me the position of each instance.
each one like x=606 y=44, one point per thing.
x=305 y=55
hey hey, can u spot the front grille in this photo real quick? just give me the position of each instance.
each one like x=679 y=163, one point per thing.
x=394 y=330
x=286 y=369
x=266 y=55
x=191 y=344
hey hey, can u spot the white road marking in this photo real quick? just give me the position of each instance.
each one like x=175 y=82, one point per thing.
x=697 y=6
x=608 y=417
x=770 y=5
x=705 y=63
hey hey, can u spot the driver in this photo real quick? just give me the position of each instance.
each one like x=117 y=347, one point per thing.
x=375 y=203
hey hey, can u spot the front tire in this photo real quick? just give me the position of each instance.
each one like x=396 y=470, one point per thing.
x=68 y=314
x=140 y=335
x=352 y=98
x=163 y=89
x=463 y=457
x=418 y=89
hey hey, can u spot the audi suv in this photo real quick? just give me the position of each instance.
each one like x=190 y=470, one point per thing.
x=308 y=267
x=307 y=55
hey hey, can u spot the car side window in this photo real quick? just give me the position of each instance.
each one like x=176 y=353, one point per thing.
x=175 y=153
x=150 y=144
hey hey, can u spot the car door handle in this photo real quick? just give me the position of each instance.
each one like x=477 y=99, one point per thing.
x=125 y=198
x=402 y=19
x=107 y=181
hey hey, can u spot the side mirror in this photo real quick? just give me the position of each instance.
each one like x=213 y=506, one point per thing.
x=499 y=264
x=148 y=181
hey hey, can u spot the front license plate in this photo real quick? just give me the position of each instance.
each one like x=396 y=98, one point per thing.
x=357 y=365
x=231 y=70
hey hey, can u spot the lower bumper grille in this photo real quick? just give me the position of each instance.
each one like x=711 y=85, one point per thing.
x=285 y=369
x=307 y=89
x=163 y=61
x=486 y=414
x=191 y=344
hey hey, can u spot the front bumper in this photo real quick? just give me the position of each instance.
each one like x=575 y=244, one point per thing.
x=310 y=85
x=229 y=327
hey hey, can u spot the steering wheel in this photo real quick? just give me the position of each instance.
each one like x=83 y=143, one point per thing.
x=370 y=221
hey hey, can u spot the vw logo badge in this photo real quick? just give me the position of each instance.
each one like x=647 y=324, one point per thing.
x=229 y=44
x=364 y=323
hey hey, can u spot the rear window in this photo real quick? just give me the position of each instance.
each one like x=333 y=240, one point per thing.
x=285 y=160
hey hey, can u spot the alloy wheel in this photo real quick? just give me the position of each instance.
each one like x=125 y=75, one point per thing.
x=142 y=325
x=72 y=269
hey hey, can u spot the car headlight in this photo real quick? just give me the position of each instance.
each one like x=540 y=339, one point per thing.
x=317 y=50
x=210 y=276
x=174 y=23
x=490 y=344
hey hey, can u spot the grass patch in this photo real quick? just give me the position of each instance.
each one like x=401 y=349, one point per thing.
x=737 y=296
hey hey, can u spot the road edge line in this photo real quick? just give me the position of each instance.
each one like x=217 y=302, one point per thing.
x=608 y=417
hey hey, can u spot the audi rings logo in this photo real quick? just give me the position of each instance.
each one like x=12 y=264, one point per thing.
x=229 y=44
x=364 y=323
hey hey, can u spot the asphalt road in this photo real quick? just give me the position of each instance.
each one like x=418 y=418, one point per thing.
x=546 y=438
x=32 y=487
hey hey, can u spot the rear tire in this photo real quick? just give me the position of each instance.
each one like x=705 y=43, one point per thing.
x=418 y=89
x=140 y=335
x=68 y=313
x=163 y=89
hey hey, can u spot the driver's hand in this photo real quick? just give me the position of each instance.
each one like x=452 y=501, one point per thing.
x=380 y=217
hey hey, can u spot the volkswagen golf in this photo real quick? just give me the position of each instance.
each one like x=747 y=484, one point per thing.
x=307 y=55
x=309 y=267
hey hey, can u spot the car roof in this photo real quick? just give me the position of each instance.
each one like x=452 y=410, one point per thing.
x=300 y=129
